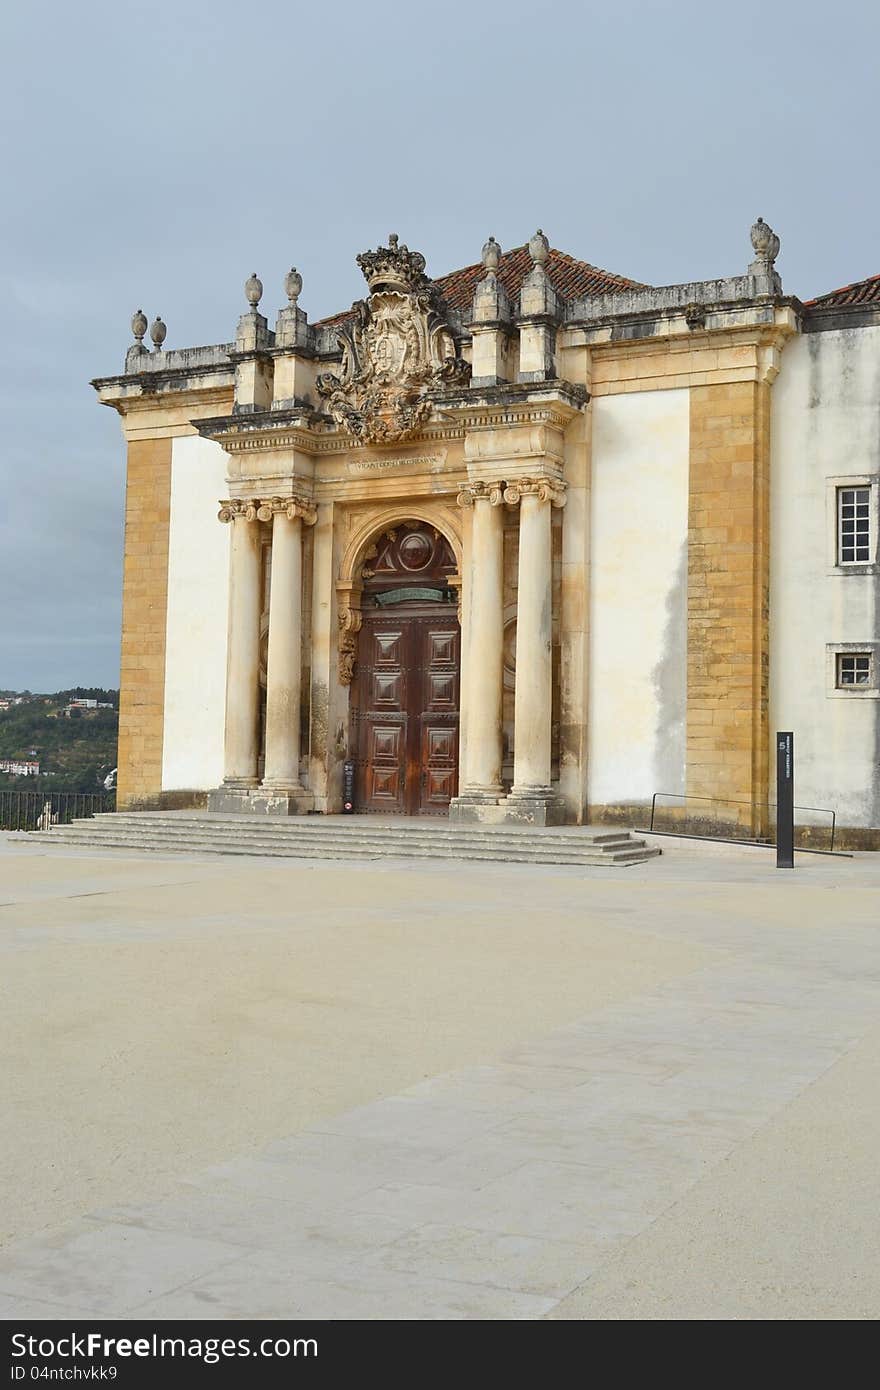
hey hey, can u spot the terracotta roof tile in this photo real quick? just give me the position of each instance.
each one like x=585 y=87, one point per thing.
x=569 y=277
x=861 y=292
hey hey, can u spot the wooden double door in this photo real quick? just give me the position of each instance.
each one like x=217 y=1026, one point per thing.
x=405 y=708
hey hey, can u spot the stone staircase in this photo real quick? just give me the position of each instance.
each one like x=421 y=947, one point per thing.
x=348 y=837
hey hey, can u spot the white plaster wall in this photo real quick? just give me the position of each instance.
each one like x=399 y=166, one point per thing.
x=825 y=423
x=638 y=596
x=195 y=636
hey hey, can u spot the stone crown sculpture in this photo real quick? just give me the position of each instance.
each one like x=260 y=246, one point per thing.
x=398 y=351
x=394 y=267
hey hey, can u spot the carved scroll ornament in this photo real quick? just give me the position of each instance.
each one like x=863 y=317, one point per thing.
x=350 y=620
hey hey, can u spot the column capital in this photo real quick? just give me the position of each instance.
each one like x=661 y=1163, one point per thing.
x=291 y=507
x=230 y=509
x=550 y=490
x=257 y=509
x=491 y=492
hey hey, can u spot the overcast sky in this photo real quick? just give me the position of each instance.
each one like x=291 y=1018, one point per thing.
x=155 y=155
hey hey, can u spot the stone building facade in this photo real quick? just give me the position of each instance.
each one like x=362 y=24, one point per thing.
x=529 y=542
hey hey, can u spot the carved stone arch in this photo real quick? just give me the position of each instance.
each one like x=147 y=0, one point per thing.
x=349 y=585
x=378 y=521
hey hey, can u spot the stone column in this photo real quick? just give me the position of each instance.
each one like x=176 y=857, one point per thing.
x=243 y=660
x=534 y=677
x=481 y=777
x=284 y=663
x=324 y=699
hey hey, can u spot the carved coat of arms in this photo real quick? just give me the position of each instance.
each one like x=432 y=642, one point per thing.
x=397 y=351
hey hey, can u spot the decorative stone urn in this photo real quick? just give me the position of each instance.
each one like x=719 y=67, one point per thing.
x=293 y=283
x=765 y=242
x=539 y=248
x=491 y=256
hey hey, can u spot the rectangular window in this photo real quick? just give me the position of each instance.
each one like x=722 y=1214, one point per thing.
x=853 y=525
x=853 y=669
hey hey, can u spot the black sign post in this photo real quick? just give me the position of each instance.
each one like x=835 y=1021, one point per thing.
x=348 y=787
x=785 y=801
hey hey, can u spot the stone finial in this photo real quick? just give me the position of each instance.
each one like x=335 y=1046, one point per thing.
x=491 y=255
x=765 y=243
x=253 y=288
x=292 y=324
x=158 y=332
x=293 y=283
x=539 y=248
x=139 y=326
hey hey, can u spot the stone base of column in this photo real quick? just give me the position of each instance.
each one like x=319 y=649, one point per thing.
x=535 y=806
x=260 y=801
x=509 y=810
x=476 y=805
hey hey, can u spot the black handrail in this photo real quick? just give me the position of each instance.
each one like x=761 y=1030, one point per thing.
x=734 y=801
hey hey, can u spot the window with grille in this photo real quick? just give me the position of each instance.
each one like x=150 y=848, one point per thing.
x=853 y=669
x=853 y=525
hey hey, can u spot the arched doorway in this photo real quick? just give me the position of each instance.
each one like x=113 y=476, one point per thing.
x=405 y=695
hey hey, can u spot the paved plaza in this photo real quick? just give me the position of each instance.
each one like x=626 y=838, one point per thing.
x=392 y=1089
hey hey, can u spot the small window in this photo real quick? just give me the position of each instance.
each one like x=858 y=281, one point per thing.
x=853 y=526
x=853 y=669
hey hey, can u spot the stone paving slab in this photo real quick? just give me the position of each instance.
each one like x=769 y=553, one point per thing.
x=506 y=1189
x=492 y=1192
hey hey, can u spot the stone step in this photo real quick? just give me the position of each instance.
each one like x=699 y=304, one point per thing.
x=334 y=841
x=361 y=830
x=360 y=826
x=351 y=851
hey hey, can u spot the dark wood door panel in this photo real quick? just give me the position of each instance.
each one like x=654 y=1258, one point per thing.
x=438 y=644
x=405 y=713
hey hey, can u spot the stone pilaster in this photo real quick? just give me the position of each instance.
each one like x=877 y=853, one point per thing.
x=491 y=324
x=253 y=365
x=294 y=374
x=539 y=313
x=574 y=621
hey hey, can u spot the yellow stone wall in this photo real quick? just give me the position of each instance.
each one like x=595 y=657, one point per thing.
x=144 y=599
x=728 y=599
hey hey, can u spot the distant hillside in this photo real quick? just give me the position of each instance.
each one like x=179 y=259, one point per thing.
x=75 y=750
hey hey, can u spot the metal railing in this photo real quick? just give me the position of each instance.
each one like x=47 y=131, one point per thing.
x=44 y=810
x=706 y=827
